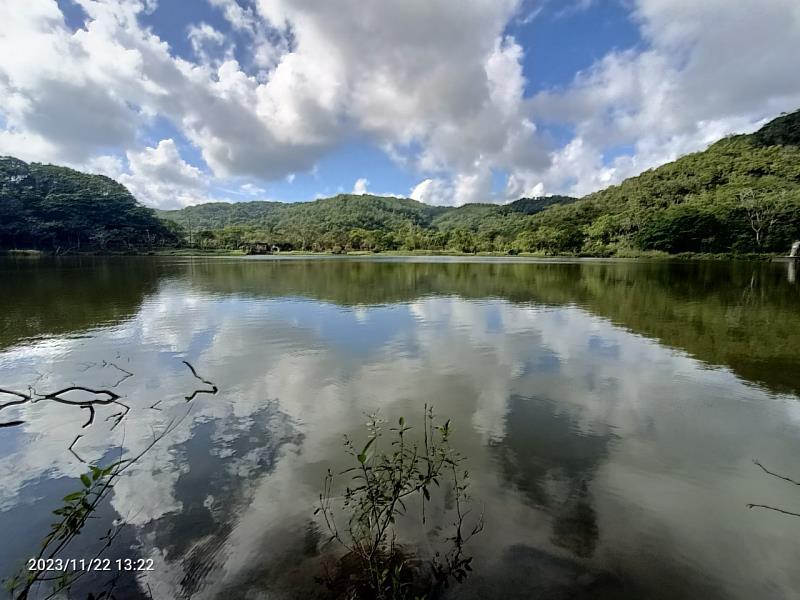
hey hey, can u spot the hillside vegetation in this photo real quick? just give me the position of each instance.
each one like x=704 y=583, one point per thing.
x=358 y=222
x=61 y=210
x=741 y=195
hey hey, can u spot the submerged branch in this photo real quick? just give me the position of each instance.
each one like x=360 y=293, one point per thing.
x=779 y=476
x=125 y=373
x=99 y=397
x=780 y=510
x=211 y=384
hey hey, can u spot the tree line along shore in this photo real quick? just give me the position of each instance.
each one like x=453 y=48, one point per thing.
x=739 y=197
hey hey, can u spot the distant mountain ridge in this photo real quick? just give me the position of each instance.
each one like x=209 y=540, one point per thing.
x=741 y=195
x=377 y=210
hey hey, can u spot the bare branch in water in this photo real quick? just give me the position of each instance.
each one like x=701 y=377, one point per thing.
x=110 y=396
x=72 y=445
x=780 y=510
x=102 y=397
x=779 y=476
x=768 y=472
x=125 y=373
x=91 y=416
x=213 y=386
x=22 y=398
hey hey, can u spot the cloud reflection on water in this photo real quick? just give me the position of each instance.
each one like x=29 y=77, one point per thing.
x=596 y=450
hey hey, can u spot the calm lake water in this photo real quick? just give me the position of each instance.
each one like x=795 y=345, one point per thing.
x=610 y=412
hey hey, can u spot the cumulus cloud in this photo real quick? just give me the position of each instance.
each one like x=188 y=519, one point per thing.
x=360 y=186
x=252 y=190
x=438 y=85
x=207 y=41
x=432 y=191
x=709 y=69
x=385 y=75
x=160 y=177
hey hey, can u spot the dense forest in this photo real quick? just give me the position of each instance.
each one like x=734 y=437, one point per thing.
x=741 y=195
x=61 y=210
x=358 y=222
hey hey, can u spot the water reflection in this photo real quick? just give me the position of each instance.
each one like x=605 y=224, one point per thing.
x=547 y=456
x=613 y=462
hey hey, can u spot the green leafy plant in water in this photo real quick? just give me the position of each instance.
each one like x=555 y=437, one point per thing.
x=384 y=486
x=78 y=507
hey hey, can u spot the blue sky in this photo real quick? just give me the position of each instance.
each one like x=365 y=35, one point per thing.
x=577 y=38
x=447 y=102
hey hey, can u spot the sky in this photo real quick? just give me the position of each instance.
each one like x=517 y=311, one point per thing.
x=443 y=101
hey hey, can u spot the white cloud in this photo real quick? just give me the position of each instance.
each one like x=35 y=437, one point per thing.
x=360 y=186
x=105 y=164
x=432 y=191
x=160 y=177
x=252 y=189
x=688 y=88
x=206 y=41
x=438 y=85
x=386 y=75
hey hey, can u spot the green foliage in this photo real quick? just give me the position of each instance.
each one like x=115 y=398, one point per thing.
x=783 y=131
x=738 y=196
x=384 y=483
x=357 y=223
x=741 y=195
x=681 y=228
x=531 y=206
x=77 y=508
x=58 y=209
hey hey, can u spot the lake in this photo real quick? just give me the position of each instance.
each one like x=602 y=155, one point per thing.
x=610 y=411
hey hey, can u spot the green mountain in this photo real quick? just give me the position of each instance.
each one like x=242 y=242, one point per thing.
x=741 y=195
x=59 y=209
x=531 y=206
x=352 y=211
x=361 y=222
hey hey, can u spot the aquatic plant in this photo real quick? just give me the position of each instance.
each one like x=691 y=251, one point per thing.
x=79 y=506
x=384 y=484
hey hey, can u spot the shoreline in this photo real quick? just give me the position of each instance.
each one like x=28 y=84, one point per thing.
x=200 y=253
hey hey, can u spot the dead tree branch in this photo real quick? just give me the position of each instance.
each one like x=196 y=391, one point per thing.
x=780 y=510
x=768 y=472
x=211 y=384
x=125 y=373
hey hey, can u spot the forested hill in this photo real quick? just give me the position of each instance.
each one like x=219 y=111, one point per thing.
x=348 y=211
x=61 y=210
x=741 y=195
x=359 y=222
